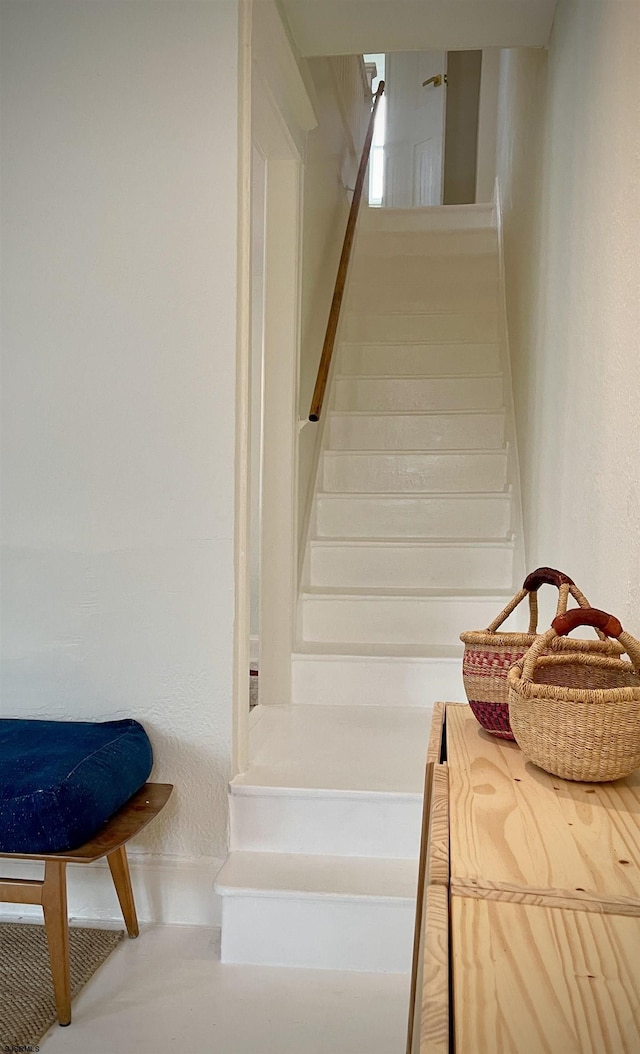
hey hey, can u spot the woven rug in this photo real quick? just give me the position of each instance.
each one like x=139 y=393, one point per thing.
x=27 y=1007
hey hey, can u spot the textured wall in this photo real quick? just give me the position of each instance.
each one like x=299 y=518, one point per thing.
x=119 y=241
x=569 y=166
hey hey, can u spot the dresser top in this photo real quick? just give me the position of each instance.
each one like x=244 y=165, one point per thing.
x=519 y=833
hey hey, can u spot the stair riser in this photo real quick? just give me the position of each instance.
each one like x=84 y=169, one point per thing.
x=319 y=933
x=417 y=359
x=428 y=567
x=418 y=393
x=451 y=219
x=445 y=473
x=424 y=273
x=464 y=246
x=394 y=620
x=369 y=328
x=375 y=682
x=400 y=517
x=465 y=296
x=417 y=432
x=333 y=825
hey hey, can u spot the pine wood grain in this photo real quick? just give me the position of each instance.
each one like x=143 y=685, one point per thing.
x=434 y=1011
x=516 y=828
x=534 y=980
x=601 y=903
x=438 y=850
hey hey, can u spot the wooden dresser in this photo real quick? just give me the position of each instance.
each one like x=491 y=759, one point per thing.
x=528 y=930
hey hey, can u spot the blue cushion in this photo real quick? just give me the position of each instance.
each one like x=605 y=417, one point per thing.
x=61 y=780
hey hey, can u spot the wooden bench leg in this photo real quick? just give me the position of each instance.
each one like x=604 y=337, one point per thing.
x=119 y=867
x=54 y=905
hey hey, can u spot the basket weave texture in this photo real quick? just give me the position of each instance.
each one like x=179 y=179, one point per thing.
x=489 y=655
x=577 y=714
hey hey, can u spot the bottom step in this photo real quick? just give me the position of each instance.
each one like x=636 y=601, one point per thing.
x=325 y=913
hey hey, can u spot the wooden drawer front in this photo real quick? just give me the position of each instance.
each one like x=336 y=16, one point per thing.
x=519 y=832
x=433 y=1032
x=438 y=851
x=528 y=980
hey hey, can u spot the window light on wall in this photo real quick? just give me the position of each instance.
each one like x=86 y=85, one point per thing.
x=376 y=162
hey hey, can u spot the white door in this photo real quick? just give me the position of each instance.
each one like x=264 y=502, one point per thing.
x=414 y=142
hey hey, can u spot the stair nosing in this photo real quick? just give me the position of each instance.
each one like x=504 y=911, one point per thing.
x=494 y=375
x=272 y=790
x=395 y=495
x=417 y=413
x=292 y=890
x=444 y=595
x=444 y=451
x=346 y=541
x=416 y=343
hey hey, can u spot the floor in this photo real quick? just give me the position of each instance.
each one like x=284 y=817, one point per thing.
x=168 y=991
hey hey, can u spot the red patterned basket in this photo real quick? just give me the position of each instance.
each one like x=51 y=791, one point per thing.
x=488 y=655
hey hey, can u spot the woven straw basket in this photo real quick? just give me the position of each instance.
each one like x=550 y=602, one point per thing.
x=488 y=655
x=577 y=714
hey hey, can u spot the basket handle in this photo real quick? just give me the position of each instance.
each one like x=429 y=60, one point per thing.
x=541 y=576
x=570 y=620
x=545 y=576
x=606 y=624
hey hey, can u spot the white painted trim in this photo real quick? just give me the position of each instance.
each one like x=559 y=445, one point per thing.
x=274 y=57
x=280 y=394
x=511 y=436
x=254 y=647
x=167 y=889
x=487 y=125
x=242 y=534
x=272 y=136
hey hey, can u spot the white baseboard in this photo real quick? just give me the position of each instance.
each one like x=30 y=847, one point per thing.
x=167 y=889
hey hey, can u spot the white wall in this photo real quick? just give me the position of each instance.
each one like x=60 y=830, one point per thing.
x=461 y=127
x=349 y=27
x=570 y=178
x=329 y=167
x=487 y=125
x=119 y=249
x=258 y=179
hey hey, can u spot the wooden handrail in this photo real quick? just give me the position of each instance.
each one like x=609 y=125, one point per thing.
x=341 y=277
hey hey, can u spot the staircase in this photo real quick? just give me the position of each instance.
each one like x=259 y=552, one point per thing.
x=412 y=539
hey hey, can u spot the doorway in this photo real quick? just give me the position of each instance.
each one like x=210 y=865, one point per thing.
x=415 y=87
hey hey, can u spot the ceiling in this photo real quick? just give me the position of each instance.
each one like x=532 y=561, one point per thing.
x=349 y=27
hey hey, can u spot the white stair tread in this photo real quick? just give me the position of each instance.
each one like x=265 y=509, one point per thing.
x=299 y=875
x=370 y=749
x=330 y=592
x=417 y=413
x=403 y=312
x=424 y=376
x=347 y=345
x=392 y=495
x=444 y=452
x=412 y=543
